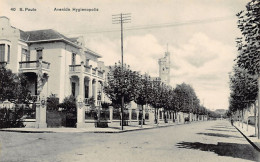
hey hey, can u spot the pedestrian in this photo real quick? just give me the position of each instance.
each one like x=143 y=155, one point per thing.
x=232 y=121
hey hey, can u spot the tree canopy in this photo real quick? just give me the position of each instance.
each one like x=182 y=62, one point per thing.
x=13 y=87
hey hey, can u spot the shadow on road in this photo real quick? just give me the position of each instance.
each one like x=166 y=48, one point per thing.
x=219 y=135
x=224 y=127
x=223 y=130
x=242 y=151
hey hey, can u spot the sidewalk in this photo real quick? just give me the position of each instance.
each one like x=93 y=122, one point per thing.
x=115 y=129
x=249 y=133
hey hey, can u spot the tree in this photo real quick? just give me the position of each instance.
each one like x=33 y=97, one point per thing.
x=121 y=87
x=186 y=97
x=249 y=45
x=156 y=95
x=168 y=101
x=243 y=88
x=144 y=93
x=13 y=87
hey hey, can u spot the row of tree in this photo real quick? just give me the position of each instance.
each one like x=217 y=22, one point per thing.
x=132 y=86
x=245 y=75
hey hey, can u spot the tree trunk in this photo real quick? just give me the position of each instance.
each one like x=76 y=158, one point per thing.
x=247 y=118
x=155 y=116
x=258 y=106
x=242 y=117
x=142 y=117
x=239 y=118
x=255 y=119
x=122 y=113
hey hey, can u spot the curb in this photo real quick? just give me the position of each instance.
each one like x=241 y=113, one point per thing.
x=121 y=131
x=252 y=143
x=25 y=131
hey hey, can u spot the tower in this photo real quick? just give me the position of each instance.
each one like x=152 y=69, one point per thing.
x=164 y=68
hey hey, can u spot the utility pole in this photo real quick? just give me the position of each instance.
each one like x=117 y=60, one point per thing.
x=121 y=19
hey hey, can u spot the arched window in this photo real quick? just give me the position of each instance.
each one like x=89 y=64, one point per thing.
x=2 y=53
x=5 y=49
x=8 y=53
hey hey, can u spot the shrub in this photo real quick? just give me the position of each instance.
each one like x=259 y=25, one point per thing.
x=69 y=104
x=52 y=102
x=11 y=118
x=105 y=104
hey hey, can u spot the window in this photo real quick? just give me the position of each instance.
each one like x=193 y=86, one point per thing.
x=25 y=55
x=73 y=59
x=8 y=53
x=39 y=54
x=2 y=52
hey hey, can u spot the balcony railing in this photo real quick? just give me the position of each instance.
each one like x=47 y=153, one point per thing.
x=87 y=69
x=100 y=74
x=75 y=68
x=94 y=71
x=33 y=64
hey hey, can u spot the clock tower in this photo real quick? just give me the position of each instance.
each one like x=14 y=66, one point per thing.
x=164 y=68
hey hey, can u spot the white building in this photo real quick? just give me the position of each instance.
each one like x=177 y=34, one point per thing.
x=67 y=66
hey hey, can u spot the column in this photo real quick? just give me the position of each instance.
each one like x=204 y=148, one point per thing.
x=42 y=107
x=81 y=80
x=90 y=86
x=111 y=113
x=79 y=101
x=101 y=90
x=37 y=119
x=95 y=92
x=130 y=114
x=80 y=112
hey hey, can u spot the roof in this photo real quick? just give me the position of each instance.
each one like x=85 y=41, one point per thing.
x=23 y=35
x=44 y=35
x=47 y=34
x=92 y=53
x=52 y=35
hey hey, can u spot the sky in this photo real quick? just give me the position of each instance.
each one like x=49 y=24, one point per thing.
x=199 y=34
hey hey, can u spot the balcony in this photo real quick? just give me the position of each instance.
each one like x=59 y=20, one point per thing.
x=75 y=68
x=87 y=70
x=100 y=74
x=94 y=71
x=32 y=66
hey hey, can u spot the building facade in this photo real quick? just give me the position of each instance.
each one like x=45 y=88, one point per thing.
x=63 y=65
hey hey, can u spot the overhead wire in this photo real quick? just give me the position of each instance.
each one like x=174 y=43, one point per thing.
x=162 y=25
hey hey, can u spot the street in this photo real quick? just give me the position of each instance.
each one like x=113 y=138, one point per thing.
x=201 y=141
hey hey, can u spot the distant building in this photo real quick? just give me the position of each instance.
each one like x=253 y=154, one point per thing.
x=165 y=68
x=220 y=111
